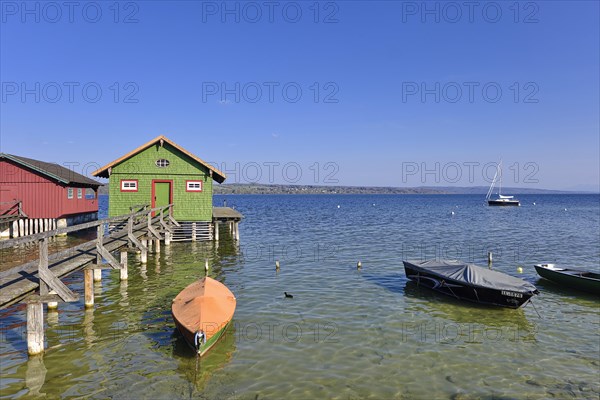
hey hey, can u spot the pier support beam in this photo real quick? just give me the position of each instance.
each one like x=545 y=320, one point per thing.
x=35 y=328
x=88 y=287
x=237 y=231
x=52 y=305
x=216 y=231
x=97 y=275
x=167 y=238
x=157 y=246
x=144 y=254
x=193 y=231
x=123 y=270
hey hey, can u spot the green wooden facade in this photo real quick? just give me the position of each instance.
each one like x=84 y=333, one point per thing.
x=156 y=184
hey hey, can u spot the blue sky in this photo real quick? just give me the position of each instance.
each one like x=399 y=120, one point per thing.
x=392 y=93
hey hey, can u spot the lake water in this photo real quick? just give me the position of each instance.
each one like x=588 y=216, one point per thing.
x=347 y=333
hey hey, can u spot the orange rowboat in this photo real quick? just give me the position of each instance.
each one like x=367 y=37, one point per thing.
x=202 y=313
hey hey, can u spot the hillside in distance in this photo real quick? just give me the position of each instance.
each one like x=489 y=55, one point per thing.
x=256 y=188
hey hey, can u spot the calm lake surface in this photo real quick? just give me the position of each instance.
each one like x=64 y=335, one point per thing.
x=346 y=334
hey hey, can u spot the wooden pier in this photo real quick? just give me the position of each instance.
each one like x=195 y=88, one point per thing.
x=38 y=282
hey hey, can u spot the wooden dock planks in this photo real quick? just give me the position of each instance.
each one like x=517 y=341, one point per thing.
x=20 y=281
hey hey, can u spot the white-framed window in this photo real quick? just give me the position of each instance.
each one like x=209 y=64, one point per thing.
x=79 y=193
x=129 y=185
x=162 y=163
x=69 y=193
x=193 y=186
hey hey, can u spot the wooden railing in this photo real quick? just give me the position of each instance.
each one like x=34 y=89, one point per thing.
x=135 y=221
x=11 y=210
x=61 y=231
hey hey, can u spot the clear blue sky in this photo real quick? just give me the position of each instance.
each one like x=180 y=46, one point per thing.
x=385 y=105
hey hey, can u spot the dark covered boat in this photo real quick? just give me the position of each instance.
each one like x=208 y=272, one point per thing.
x=571 y=278
x=470 y=282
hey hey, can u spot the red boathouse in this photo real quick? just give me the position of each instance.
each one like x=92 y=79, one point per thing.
x=37 y=196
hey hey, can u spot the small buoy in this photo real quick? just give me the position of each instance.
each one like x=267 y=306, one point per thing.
x=534 y=203
x=520 y=270
x=565 y=209
x=338 y=206
x=373 y=204
x=452 y=213
x=206 y=265
x=288 y=295
x=358 y=265
x=277 y=265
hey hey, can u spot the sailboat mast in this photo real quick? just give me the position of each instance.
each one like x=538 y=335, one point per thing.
x=489 y=193
x=500 y=178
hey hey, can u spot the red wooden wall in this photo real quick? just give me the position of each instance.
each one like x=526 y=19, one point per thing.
x=41 y=197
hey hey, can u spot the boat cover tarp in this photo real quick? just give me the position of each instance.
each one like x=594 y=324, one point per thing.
x=472 y=274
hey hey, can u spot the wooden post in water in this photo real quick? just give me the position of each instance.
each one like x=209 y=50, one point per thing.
x=88 y=287
x=157 y=246
x=35 y=328
x=167 y=238
x=490 y=259
x=193 y=231
x=237 y=231
x=144 y=254
x=52 y=305
x=97 y=275
x=99 y=239
x=216 y=231
x=123 y=270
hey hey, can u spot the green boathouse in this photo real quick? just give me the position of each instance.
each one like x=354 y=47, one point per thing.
x=159 y=173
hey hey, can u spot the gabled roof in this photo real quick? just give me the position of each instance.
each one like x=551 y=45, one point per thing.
x=216 y=174
x=52 y=170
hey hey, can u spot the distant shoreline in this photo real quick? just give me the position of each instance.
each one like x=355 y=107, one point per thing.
x=249 y=188
x=237 y=188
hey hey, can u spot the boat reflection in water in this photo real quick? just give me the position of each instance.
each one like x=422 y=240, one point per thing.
x=429 y=316
x=199 y=370
x=465 y=321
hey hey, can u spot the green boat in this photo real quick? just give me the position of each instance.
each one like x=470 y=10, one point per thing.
x=572 y=278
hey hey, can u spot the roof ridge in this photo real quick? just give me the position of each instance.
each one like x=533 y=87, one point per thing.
x=102 y=172
x=52 y=170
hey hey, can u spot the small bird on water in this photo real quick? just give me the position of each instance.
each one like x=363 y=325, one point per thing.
x=288 y=295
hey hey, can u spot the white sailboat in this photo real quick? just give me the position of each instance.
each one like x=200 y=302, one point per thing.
x=501 y=200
